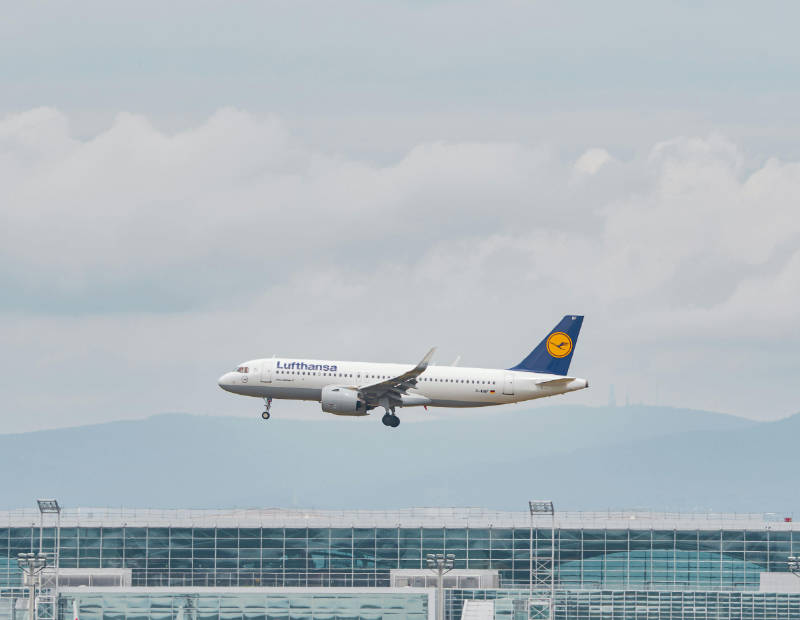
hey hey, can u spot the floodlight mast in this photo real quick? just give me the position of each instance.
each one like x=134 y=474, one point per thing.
x=32 y=564
x=441 y=564
x=51 y=507
x=543 y=507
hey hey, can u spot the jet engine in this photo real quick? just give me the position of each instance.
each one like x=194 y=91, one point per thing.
x=342 y=401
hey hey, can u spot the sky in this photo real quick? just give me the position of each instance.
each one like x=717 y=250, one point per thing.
x=185 y=186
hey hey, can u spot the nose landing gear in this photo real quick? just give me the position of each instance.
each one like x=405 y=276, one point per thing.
x=267 y=407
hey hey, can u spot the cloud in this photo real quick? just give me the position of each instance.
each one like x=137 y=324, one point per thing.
x=136 y=265
x=592 y=160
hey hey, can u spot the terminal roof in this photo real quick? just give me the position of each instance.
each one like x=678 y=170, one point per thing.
x=407 y=518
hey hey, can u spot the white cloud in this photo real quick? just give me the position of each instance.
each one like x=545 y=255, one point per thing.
x=592 y=160
x=138 y=265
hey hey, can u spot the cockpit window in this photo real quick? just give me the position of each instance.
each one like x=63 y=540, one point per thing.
x=242 y=369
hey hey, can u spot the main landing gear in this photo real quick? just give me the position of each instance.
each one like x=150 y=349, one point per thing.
x=390 y=419
x=267 y=406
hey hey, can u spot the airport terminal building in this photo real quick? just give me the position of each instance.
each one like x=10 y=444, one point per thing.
x=298 y=564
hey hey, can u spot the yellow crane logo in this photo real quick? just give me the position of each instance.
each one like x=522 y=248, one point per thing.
x=559 y=344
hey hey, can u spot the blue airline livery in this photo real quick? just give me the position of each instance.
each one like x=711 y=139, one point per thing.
x=305 y=366
x=356 y=388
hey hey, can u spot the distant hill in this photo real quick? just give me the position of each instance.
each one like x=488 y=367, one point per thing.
x=582 y=457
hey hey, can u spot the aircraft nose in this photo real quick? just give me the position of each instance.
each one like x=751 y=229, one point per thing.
x=224 y=382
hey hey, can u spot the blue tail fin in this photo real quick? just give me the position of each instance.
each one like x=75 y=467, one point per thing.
x=554 y=353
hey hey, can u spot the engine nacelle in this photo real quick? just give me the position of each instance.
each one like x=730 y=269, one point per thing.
x=342 y=401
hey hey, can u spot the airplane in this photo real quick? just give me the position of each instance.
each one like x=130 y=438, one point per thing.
x=356 y=388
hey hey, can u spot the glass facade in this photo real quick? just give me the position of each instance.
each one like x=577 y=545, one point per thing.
x=254 y=605
x=352 y=605
x=637 y=605
x=663 y=559
x=267 y=564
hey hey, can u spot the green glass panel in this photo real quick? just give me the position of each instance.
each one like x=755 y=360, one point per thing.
x=272 y=543
x=177 y=552
x=158 y=553
x=88 y=562
x=111 y=553
x=203 y=533
x=106 y=562
x=180 y=537
x=272 y=553
x=410 y=537
x=228 y=543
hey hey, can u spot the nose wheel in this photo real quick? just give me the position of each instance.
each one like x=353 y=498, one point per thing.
x=267 y=407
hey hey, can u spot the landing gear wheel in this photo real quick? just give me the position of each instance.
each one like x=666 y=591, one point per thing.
x=387 y=419
x=395 y=421
x=267 y=407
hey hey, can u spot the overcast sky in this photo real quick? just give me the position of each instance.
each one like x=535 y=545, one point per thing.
x=184 y=186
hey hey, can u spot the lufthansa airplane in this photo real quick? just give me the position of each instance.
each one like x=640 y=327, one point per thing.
x=354 y=388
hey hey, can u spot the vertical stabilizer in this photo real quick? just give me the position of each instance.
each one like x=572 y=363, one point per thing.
x=554 y=354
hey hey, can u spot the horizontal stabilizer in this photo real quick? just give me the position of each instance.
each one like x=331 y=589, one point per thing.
x=555 y=382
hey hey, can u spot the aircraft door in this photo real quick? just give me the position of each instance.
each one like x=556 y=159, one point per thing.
x=266 y=372
x=508 y=385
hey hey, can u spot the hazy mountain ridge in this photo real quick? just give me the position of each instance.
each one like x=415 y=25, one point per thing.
x=582 y=457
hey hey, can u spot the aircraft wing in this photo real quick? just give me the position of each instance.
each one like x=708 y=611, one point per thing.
x=396 y=386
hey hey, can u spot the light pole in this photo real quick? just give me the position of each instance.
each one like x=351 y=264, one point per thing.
x=794 y=565
x=50 y=507
x=441 y=564
x=32 y=564
x=543 y=507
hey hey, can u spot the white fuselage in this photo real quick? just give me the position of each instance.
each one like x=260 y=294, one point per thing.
x=437 y=386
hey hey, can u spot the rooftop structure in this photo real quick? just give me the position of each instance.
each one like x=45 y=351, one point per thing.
x=409 y=517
